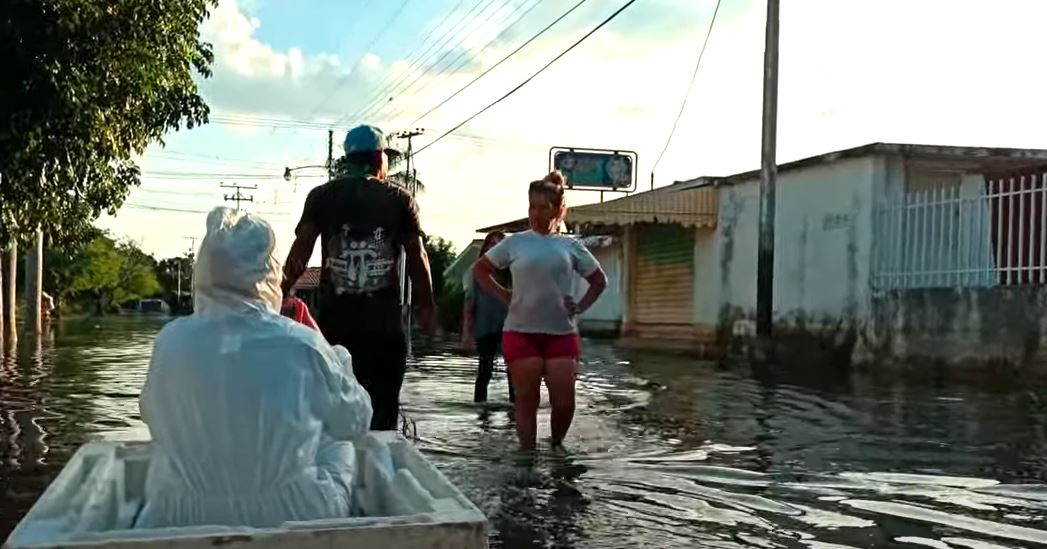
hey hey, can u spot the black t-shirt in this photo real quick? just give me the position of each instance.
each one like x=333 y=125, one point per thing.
x=363 y=222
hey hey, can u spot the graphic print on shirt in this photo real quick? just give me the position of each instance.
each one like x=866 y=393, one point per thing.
x=360 y=263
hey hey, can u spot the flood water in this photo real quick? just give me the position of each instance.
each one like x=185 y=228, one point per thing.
x=665 y=451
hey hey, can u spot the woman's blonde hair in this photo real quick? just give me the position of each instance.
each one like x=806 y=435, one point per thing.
x=551 y=187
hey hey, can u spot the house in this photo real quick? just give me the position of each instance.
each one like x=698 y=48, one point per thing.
x=307 y=287
x=461 y=269
x=889 y=251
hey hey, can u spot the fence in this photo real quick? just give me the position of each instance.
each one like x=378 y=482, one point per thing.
x=964 y=233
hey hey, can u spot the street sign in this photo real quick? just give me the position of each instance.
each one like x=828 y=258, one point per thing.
x=595 y=169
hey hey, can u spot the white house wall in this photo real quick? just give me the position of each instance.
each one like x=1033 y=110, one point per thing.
x=608 y=308
x=823 y=242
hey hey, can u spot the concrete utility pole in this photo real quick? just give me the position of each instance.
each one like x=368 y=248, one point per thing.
x=34 y=281
x=768 y=175
x=237 y=196
x=10 y=296
x=188 y=256
x=405 y=281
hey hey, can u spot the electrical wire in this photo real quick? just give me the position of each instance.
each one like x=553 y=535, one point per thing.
x=342 y=81
x=503 y=60
x=459 y=60
x=529 y=78
x=377 y=99
x=414 y=56
x=683 y=104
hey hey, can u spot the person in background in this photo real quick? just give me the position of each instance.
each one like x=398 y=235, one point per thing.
x=483 y=317
x=540 y=340
x=363 y=222
x=252 y=415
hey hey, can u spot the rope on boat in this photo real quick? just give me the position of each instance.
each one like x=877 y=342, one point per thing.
x=408 y=427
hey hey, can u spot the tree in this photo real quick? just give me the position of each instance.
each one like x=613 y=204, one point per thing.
x=441 y=254
x=88 y=85
x=100 y=274
x=167 y=274
x=341 y=168
x=449 y=297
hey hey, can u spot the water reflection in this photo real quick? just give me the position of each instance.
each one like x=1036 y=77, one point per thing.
x=665 y=451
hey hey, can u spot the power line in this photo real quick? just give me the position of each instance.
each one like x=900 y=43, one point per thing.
x=414 y=56
x=503 y=60
x=532 y=77
x=155 y=208
x=375 y=102
x=683 y=104
x=463 y=58
x=459 y=60
x=381 y=34
x=301 y=124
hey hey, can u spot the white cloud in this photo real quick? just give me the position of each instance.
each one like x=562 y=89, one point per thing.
x=852 y=72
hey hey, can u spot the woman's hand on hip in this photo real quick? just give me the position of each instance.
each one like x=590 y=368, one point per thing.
x=571 y=306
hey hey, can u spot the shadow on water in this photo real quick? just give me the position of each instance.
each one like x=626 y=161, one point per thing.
x=665 y=451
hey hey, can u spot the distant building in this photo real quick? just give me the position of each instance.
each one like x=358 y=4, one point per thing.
x=307 y=287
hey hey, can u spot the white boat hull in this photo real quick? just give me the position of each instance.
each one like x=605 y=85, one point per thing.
x=95 y=501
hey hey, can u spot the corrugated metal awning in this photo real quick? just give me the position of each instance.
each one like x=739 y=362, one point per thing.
x=594 y=242
x=681 y=204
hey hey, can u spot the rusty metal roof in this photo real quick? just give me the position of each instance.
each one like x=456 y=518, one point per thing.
x=309 y=280
x=681 y=204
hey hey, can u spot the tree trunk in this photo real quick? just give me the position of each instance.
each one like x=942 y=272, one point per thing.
x=10 y=296
x=34 y=281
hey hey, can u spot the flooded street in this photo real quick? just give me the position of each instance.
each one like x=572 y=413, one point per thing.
x=665 y=451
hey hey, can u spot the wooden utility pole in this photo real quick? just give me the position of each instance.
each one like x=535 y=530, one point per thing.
x=768 y=175
x=237 y=196
x=34 y=281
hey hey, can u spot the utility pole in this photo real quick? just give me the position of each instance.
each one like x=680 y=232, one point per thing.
x=189 y=257
x=237 y=196
x=405 y=281
x=768 y=175
x=330 y=154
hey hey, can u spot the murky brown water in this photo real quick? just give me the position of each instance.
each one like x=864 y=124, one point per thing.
x=665 y=452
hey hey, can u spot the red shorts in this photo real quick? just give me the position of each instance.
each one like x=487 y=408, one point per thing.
x=518 y=346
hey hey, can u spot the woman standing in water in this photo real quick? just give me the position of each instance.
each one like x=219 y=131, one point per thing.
x=483 y=319
x=540 y=340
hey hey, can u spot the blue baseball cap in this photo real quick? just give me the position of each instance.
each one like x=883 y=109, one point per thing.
x=367 y=138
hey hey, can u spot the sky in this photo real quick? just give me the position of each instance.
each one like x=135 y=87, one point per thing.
x=944 y=72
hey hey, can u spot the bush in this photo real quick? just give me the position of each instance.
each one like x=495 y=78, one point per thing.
x=449 y=308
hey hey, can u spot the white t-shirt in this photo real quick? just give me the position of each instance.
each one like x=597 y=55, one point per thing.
x=543 y=269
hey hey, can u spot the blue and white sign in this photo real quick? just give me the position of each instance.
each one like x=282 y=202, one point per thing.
x=595 y=169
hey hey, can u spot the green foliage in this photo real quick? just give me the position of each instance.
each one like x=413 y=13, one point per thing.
x=167 y=274
x=88 y=85
x=341 y=168
x=441 y=254
x=100 y=274
x=450 y=305
x=449 y=296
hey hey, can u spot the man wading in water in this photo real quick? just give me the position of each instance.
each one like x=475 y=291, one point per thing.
x=363 y=221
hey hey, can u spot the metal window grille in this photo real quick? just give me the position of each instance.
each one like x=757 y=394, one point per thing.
x=954 y=233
